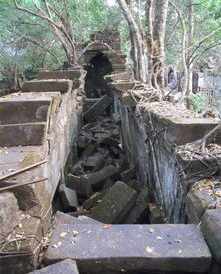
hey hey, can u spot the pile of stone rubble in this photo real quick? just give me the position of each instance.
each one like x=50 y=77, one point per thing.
x=101 y=184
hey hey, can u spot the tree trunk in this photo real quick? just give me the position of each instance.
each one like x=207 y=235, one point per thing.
x=157 y=13
x=189 y=45
x=149 y=36
x=137 y=40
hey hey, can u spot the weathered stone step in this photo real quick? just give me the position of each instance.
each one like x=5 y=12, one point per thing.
x=60 y=74
x=30 y=134
x=64 y=267
x=14 y=112
x=100 y=248
x=47 y=85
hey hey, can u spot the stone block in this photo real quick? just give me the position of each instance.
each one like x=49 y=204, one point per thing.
x=47 y=85
x=95 y=162
x=138 y=210
x=83 y=183
x=98 y=108
x=211 y=227
x=182 y=130
x=128 y=174
x=115 y=204
x=14 y=112
x=156 y=215
x=80 y=184
x=97 y=178
x=60 y=74
x=89 y=102
x=62 y=218
x=68 y=197
x=22 y=249
x=197 y=201
x=134 y=248
x=22 y=134
x=9 y=214
x=65 y=267
x=16 y=264
x=93 y=200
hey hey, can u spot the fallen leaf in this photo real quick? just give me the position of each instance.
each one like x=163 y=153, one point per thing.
x=63 y=234
x=57 y=245
x=107 y=226
x=149 y=249
x=151 y=230
x=159 y=238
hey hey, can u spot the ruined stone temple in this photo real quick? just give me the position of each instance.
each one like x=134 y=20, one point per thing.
x=97 y=176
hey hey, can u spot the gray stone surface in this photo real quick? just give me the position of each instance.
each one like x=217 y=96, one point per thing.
x=93 y=200
x=14 y=112
x=115 y=204
x=211 y=227
x=80 y=184
x=140 y=206
x=197 y=201
x=62 y=218
x=131 y=247
x=68 y=197
x=60 y=74
x=9 y=213
x=22 y=134
x=47 y=85
x=64 y=267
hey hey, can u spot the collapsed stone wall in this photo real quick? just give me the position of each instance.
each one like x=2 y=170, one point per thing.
x=160 y=141
x=38 y=125
x=155 y=136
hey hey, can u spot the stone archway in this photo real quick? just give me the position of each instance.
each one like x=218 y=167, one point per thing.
x=99 y=59
x=95 y=84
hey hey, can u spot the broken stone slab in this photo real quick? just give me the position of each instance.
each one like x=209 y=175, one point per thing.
x=68 y=197
x=60 y=74
x=22 y=248
x=133 y=248
x=30 y=134
x=83 y=184
x=97 y=178
x=89 y=102
x=62 y=218
x=93 y=200
x=48 y=85
x=156 y=214
x=128 y=174
x=98 y=108
x=115 y=204
x=211 y=227
x=14 y=112
x=95 y=161
x=197 y=202
x=65 y=267
x=9 y=214
x=16 y=264
x=137 y=212
x=179 y=130
x=80 y=184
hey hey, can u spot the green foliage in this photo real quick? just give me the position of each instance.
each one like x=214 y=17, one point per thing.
x=198 y=102
x=27 y=40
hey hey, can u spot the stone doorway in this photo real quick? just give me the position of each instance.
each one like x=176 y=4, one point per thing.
x=95 y=84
